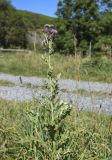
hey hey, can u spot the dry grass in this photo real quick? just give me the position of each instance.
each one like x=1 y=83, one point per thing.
x=71 y=67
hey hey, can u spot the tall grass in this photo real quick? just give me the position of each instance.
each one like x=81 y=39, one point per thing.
x=51 y=129
x=92 y=69
x=86 y=135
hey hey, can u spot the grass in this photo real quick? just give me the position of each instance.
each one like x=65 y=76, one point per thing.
x=94 y=93
x=90 y=69
x=6 y=83
x=51 y=129
x=33 y=86
x=84 y=92
x=90 y=133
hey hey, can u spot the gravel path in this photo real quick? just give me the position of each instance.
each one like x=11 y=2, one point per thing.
x=67 y=92
x=69 y=85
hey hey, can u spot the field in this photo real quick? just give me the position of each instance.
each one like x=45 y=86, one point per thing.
x=56 y=80
x=87 y=135
x=89 y=69
x=52 y=129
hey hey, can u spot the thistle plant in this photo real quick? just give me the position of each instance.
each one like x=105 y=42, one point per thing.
x=49 y=130
x=45 y=131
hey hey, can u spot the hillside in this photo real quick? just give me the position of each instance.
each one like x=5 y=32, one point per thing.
x=15 y=25
x=34 y=20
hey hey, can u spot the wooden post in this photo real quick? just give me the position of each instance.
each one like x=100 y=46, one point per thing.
x=90 y=48
x=35 y=38
x=75 y=45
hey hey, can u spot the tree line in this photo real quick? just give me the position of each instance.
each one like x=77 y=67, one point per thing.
x=15 y=25
x=83 y=26
x=12 y=27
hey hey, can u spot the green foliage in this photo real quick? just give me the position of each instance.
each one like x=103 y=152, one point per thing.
x=13 y=32
x=106 y=22
x=87 y=20
x=17 y=34
x=99 y=66
x=35 y=21
x=24 y=137
x=48 y=122
x=15 y=25
x=5 y=4
x=31 y=65
x=83 y=47
x=51 y=129
x=105 y=45
x=65 y=43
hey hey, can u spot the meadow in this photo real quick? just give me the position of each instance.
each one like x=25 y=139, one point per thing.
x=49 y=127
x=86 y=135
x=52 y=129
x=71 y=67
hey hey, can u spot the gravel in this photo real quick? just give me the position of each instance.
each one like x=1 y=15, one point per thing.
x=67 y=87
x=70 y=85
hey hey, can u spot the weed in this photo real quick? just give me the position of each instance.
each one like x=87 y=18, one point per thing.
x=51 y=129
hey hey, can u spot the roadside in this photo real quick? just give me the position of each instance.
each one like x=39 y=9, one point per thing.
x=97 y=69
x=26 y=88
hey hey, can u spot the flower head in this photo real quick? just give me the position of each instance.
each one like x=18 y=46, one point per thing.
x=50 y=32
x=53 y=33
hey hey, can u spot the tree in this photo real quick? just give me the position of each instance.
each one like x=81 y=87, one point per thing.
x=83 y=19
x=65 y=40
x=5 y=11
x=105 y=5
x=104 y=40
x=13 y=31
x=17 y=34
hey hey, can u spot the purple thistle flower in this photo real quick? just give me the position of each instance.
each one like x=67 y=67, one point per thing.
x=53 y=33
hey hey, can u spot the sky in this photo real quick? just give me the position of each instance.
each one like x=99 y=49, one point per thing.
x=46 y=7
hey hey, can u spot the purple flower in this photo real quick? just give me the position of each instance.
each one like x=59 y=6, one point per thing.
x=53 y=33
x=48 y=28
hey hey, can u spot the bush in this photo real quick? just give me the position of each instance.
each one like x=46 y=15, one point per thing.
x=65 y=43
x=104 y=44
